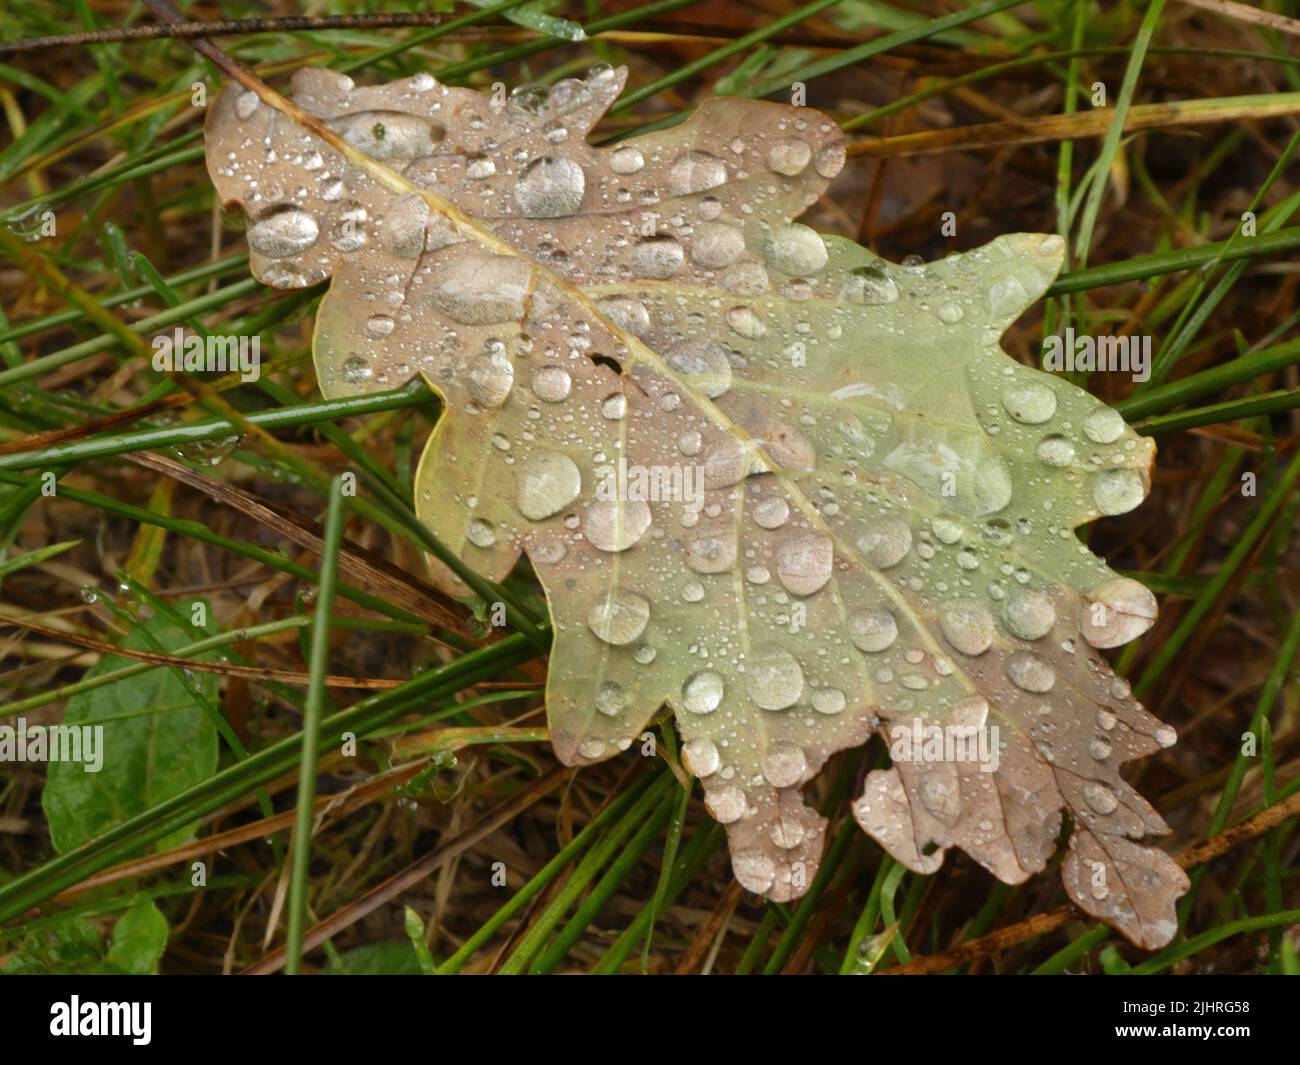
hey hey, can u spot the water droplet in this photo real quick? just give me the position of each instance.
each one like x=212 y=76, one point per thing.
x=482 y=289
x=547 y=482
x=551 y=186
x=728 y=804
x=1118 y=491
x=246 y=104
x=804 y=563
x=695 y=171
x=379 y=326
x=656 y=258
x=613 y=525
x=704 y=365
x=614 y=406
x=771 y=512
x=871 y=285
x=1100 y=798
x=1029 y=613
x=1056 y=451
x=828 y=701
x=711 y=554
x=480 y=167
x=773 y=678
x=784 y=765
x=873 y=630
x=796 y=249
x=490 y=379
x=716 y=245
x=967 y=625
x=1116 y=611
x=1165 y=736
x=744 y=322
x=1031 y=403
x=357 y=369
x=627 y=313
x=481 y=533
x=389 y=136
x=89 y=593
x=886 y=542
x=282 y=231
x=552 y=384
x=626 y=160
x=789 y=157
x=1104 y=425
x=702 y=693
x=701 y=757
x=1099 y=748
x=1031 y=672
x=610 y=698
x=829 y=161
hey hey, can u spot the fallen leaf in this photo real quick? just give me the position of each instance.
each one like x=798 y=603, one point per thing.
x=795 y=491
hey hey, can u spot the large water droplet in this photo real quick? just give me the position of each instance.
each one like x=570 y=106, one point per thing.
x=727 y=804
x=1118 y=491
x=773 y=678
x=711 y=554
x=389 y=136
x=1100 y=798
x=614 y=525
x=804 y=563
x=716 y=245
x=967 y=625
x=796 y=249
x=481 y=533
x=626 y=313
x=704 y=364
x=701 y=757
x=626 y=160
x=1056 y=451
x=610 y=698
x=482 y=289
x=1029 y=613
x=784 y=765
x=551 y=186
x=1031 y=672
x=789 y=157
x=1030 y=403
x=1104 y=425
x=620 y=617
x=552 y=384
x=871 y=285
x=886 y=542
x=702 y=693
x=828 y=701
x=695 y=171
x=547 y=481
x=491 y=377
x=771 y=512
x=1116 y=611
x=282 y=231
x=656 y=258
x=873 y=630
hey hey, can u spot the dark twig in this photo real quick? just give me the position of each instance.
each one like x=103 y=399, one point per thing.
x=226 y=28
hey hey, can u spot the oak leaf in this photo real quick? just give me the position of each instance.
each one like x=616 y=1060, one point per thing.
x=795 y=491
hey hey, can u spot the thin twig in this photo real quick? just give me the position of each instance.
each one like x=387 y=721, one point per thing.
x=225 y=28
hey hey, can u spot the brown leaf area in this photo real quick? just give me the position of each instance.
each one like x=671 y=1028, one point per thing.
x=652 y=304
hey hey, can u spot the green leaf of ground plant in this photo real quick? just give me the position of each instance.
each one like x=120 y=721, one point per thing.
x=154 y=742
x=796 y=492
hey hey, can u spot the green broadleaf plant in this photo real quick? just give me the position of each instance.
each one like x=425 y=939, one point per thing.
x=795 y=491
x=156 y=742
